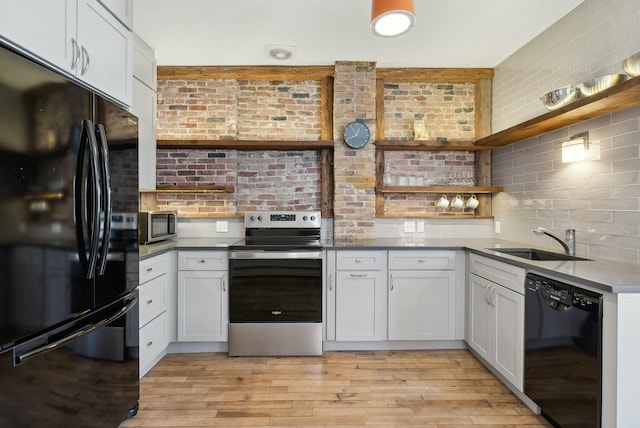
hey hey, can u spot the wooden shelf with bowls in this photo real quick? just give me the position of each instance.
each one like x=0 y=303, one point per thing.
x=616 y=98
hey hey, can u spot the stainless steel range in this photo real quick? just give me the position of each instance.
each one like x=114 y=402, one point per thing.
x=275 y=285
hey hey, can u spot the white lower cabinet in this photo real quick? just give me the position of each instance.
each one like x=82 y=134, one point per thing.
x=422 y=295
x=360 y=296
x=153 y=309
x=495 y=328
x=203 y=305
x=422 y=305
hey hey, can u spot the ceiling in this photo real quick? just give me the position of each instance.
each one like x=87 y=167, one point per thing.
x=447 y=33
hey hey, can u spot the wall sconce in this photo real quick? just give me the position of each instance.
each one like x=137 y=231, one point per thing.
x=390 y=18
x=576 y=148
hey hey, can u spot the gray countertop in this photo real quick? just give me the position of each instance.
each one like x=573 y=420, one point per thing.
x=603 y=274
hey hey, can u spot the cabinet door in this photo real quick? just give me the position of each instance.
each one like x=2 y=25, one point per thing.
x=43 y=28
x=106 y=51
x=361 y=306
x=422 y=305
x=144 y=106
x=480 y=320
x=203 y=314
x=509 y=334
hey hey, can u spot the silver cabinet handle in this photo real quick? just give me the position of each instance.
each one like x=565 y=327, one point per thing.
x=362 y=275
x=149 y=343
x=150 y=301
x=85 y=60
x=422 y=260
x=149 y=269
x=75 y=53
x=202 y=261
x=391 y=281
x=358 y=261
x=486 y=297
x=224 y=284
x=493 y=295
x=330 y=283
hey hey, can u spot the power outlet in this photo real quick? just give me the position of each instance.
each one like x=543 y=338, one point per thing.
x=420 y=226
x=222 y=226
x=496 y=226
x=409 y=226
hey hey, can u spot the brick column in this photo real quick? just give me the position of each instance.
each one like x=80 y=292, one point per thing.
x=354 y=170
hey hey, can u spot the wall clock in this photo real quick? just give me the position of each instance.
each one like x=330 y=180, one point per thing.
x=356 y=135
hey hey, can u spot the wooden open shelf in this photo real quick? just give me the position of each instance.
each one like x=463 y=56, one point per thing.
x=441 y=216
x=246 y=144
x=619 y=97
x=430 y=145
x=467 y=190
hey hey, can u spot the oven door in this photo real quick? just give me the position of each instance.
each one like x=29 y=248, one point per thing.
x=275 y=287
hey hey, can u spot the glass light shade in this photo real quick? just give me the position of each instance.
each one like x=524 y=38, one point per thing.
x=573 y=150
x=390 y=18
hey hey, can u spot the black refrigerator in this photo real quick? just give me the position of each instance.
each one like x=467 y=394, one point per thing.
x=68 y=252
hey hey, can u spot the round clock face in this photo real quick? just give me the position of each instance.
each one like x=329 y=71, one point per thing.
x=356 y=135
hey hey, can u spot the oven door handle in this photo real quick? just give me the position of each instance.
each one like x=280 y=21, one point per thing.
x=248 y=255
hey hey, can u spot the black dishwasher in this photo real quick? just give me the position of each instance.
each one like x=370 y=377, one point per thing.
x=563 y=348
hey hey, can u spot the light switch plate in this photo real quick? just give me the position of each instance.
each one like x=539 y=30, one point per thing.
x=222 y=226
x=420 y=226
x=496 y=225
x=409 y=226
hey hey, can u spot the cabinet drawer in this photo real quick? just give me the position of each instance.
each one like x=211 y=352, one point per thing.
x=422 y=260
x=153 y=267
x=361 y=260
x=501 y=273
x=153 y=299
x=202 y=260
x=153 y=339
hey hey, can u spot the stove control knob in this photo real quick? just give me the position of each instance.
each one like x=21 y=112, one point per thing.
x=259 y=218
x=305 y=218
x=252 y=218
x=313 y=218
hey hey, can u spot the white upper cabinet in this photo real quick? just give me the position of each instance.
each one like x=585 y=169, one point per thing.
x=79 y=38
x=144 y=107
x=106 y=52
x=41 y=27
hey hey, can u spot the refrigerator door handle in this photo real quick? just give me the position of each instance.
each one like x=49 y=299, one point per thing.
x=87 y=200
x=105 y=180
x=20 y=356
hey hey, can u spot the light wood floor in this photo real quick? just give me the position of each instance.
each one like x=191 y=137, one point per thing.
x=390 y=388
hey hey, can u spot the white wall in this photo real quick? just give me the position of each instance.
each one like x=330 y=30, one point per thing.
x=599 y=198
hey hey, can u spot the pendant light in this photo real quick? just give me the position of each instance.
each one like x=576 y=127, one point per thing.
x=390 y=18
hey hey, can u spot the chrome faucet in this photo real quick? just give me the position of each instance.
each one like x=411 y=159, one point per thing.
x=569 y=243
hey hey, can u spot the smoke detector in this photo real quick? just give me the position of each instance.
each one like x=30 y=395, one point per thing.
x=280 y=52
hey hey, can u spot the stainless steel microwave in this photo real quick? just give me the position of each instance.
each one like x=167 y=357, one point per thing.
x=157 y=225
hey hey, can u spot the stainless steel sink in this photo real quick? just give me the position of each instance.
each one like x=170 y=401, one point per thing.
x=534 y=254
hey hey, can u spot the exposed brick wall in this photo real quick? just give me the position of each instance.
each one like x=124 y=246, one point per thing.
x=279 y=110
x=244 y=110
x=261 y=179
x=447 y=109
x=278 y=180
x=197 y=109
x=290 y=110
x=232 y=109
x=354 y=170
